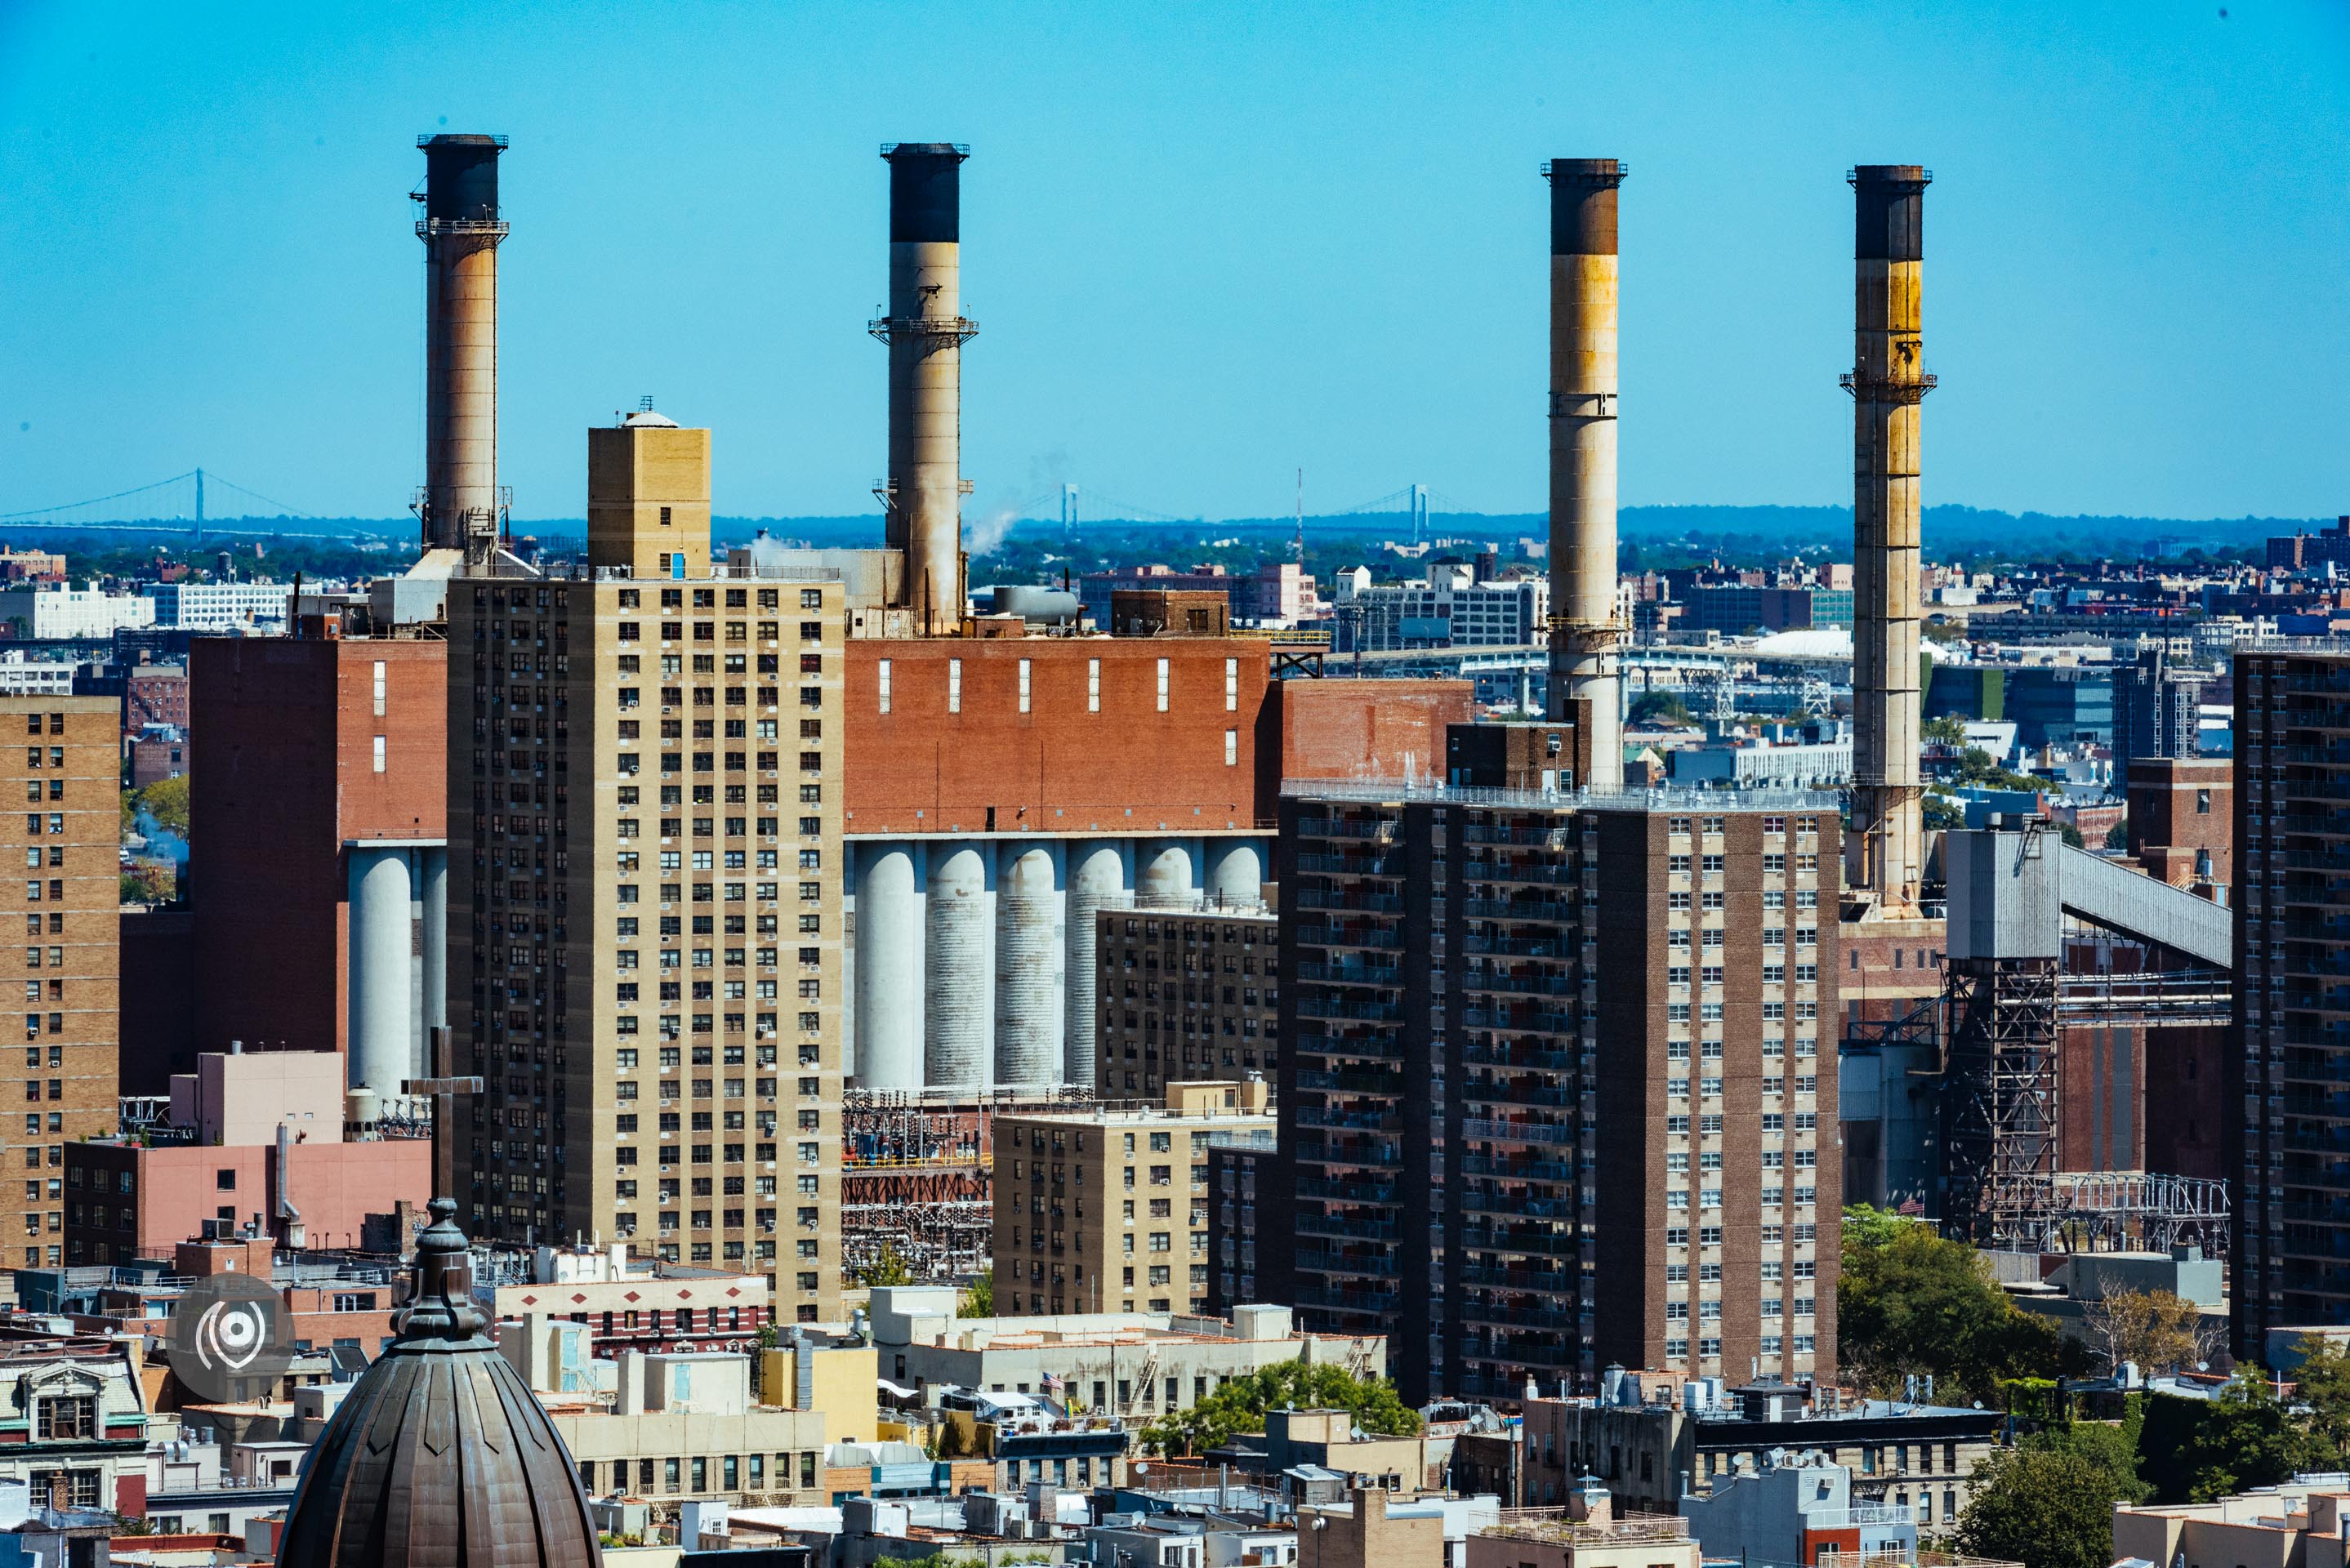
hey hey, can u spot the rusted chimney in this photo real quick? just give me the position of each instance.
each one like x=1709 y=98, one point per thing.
x=1584 y=635
x=1884 y=854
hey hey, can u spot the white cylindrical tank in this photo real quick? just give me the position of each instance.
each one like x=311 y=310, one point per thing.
x=1028 y=958
x=1162 y=880
x=959 y=970
x=380 y=1025
x=889 y=953
x=1236 y=874
x=1097 y=879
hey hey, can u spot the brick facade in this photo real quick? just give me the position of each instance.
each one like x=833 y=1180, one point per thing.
x=62 y=759
x=290 y=776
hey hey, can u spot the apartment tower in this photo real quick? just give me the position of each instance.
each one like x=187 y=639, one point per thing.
x=1528 y=1031
x=644 y=789
x=69 y=777
x=2292 y=1005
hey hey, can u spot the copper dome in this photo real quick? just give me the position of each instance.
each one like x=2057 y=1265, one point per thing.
x=439 y=1455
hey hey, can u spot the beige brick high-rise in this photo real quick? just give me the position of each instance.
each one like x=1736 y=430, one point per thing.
x=1106 y=1208
x=644 y=831
x=67 y=776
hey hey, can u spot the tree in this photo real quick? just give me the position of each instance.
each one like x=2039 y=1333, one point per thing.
x=2042 y=1507
x=2321 y=1382
x=2153 y=1328
x=1943 y=814
x=2117 y=836
x=1239 y=1406
x=2111 y=1447
x=2072 y=836
x=1948 y=731
x=888 y=1269
x=980 y=1300
x=166 y=800
x=1910 y=1300
x=2196 y=1450
x=1659 y=708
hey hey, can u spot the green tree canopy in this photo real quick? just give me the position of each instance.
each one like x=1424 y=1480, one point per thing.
x=888 y=1269
x=1239 y=1406
x=1659 y=708
x=1946 y=729
x=2196 y=1450
x=166 y=801
x=1911 y=1302
x=980 y=1300
x=2043 y=1507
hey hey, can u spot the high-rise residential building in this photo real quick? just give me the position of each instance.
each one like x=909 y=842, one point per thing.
x=1186 y=995
x=1104 y=1208
x=1528 y=1031
x=69 y=777
x=2281 y=1147
x=645 y=821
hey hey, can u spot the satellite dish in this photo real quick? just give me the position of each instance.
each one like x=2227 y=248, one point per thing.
x=1141 y=1469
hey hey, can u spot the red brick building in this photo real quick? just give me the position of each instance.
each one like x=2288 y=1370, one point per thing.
x=2182 y=821
x=313 y=743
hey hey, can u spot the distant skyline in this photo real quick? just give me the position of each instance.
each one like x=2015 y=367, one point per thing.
x=1205 y=246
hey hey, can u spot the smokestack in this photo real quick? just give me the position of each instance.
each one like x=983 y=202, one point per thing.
x=1583 y=633
x=1885 y=856
x=461 y=230
x=925 y=330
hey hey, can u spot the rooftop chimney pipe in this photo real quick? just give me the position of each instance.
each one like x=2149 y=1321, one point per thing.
x=1885 y=856
x=461 y=229
x=925 y=330
x=1583 y=631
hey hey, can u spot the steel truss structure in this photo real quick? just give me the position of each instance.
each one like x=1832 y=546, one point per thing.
x=2110 y=1211
x=1999 y=1086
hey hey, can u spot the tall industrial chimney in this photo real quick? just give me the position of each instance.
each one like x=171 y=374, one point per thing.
x=1584 y=635
x=461 y=230
x=925 y=330
x=1885 y=854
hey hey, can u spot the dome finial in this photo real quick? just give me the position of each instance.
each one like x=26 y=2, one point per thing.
x=440 y=1297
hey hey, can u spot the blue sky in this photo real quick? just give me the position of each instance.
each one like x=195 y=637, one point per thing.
x=1206 y=245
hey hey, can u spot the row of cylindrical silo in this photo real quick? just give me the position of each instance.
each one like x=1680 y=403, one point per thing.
x=974 y=962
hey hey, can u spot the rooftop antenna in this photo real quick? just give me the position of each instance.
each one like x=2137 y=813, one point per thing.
x=645 y=404
x=1297 y=546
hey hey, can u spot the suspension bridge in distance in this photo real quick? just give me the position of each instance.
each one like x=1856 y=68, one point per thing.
x=173 y=505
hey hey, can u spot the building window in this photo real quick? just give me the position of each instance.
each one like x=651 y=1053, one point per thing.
x=69 y=1418
x=379 y=689
x=379 y=754
x=1024 y=686
x=1231 y=748
x=1163 y=686
x=1231 y=685
x=954 y=685
x=1093 y=685
x=882 y=690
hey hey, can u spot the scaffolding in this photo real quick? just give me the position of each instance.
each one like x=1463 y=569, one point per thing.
x=1999 y=1097
x=918 y=1177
